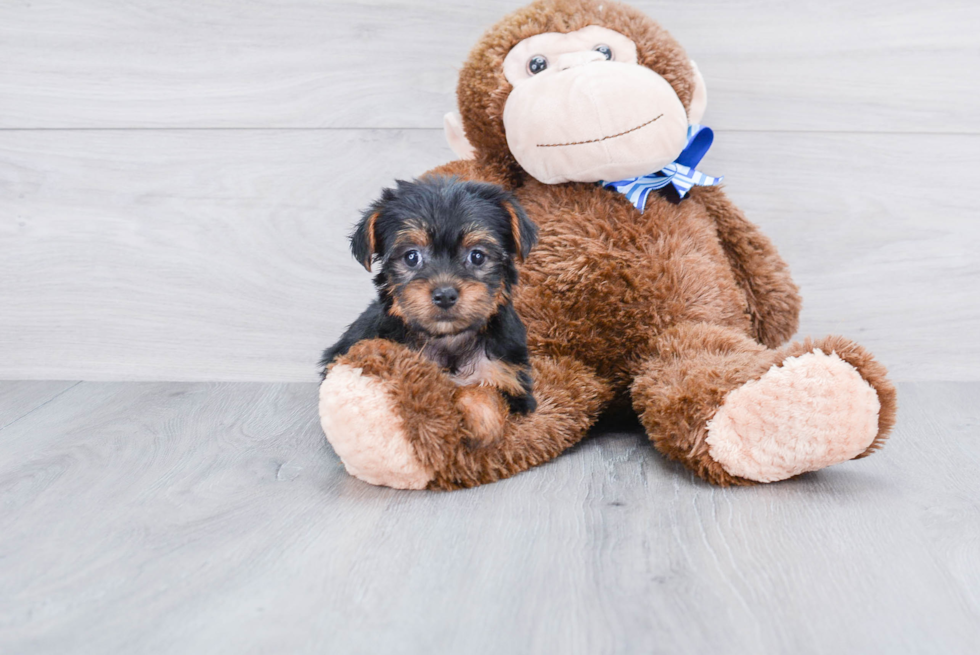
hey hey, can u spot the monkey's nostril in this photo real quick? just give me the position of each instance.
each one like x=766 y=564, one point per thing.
x=445 y=297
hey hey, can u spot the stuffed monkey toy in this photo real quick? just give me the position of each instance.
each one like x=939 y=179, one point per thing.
x=648 y=288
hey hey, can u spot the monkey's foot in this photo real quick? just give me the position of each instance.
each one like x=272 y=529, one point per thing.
x=808 y=412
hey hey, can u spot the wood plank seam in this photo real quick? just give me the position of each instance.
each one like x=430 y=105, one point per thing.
x=28 y=413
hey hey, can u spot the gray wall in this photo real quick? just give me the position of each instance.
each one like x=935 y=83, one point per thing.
x=177 y=178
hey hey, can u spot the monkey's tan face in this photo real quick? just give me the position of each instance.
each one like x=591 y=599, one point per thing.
x=582 y=109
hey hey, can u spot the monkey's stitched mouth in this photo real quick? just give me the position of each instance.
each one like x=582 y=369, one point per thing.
x=605 y=138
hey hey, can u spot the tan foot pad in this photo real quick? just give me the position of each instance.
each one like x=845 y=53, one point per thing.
x=358 y=416
x=808 y=413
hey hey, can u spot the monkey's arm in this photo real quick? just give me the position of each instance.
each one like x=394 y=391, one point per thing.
x=395 y=419
x=773 y=298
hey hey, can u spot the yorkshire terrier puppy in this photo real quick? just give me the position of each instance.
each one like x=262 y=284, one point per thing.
x=447 y=251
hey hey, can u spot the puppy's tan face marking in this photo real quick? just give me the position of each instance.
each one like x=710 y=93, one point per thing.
x=475 y=304
x=413 y=303
x=418 y=265
x=412 y=235
x=479 y=237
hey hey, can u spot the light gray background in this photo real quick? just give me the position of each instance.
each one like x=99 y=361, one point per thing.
x=177 y=178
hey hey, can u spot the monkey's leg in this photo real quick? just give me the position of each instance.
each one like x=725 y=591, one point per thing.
x=396 y=420
x=735 y=412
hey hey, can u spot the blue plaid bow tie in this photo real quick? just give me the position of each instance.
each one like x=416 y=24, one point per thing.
x=680 y=173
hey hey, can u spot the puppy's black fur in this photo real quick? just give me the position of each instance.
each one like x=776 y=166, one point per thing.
x=447 y=251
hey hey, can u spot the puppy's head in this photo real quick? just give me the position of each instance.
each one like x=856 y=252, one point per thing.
x=446 y=250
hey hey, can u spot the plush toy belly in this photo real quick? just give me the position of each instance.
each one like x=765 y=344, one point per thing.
x=605 y=288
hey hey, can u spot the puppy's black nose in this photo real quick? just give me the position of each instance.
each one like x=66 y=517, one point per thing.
x=445 y=297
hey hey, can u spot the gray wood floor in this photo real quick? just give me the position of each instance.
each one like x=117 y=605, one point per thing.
x=212 y=517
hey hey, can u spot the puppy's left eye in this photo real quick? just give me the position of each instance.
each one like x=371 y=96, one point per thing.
x=413 y=258
x=477 y=257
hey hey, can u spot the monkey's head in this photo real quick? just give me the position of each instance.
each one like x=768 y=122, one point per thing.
x=575 y=91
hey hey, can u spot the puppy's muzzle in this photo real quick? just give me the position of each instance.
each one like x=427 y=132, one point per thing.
x=445 y=297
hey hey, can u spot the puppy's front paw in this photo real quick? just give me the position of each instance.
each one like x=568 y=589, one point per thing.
x=523 y=404
x=361 y=420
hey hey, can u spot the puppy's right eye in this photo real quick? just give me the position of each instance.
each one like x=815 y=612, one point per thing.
x=413 y=258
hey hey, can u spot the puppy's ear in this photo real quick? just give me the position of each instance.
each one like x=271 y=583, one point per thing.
x=524 y=232
x=364 y=242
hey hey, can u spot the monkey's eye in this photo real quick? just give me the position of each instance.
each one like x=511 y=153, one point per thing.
x=605 y=50
x=536 y=64
x=412 y=258
x=477 y=257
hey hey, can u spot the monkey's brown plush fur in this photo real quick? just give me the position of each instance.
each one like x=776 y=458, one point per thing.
x=670 y=310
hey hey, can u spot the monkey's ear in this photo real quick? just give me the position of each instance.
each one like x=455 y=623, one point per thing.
x=523 y=230
x=699 y=99
x=453 y=125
